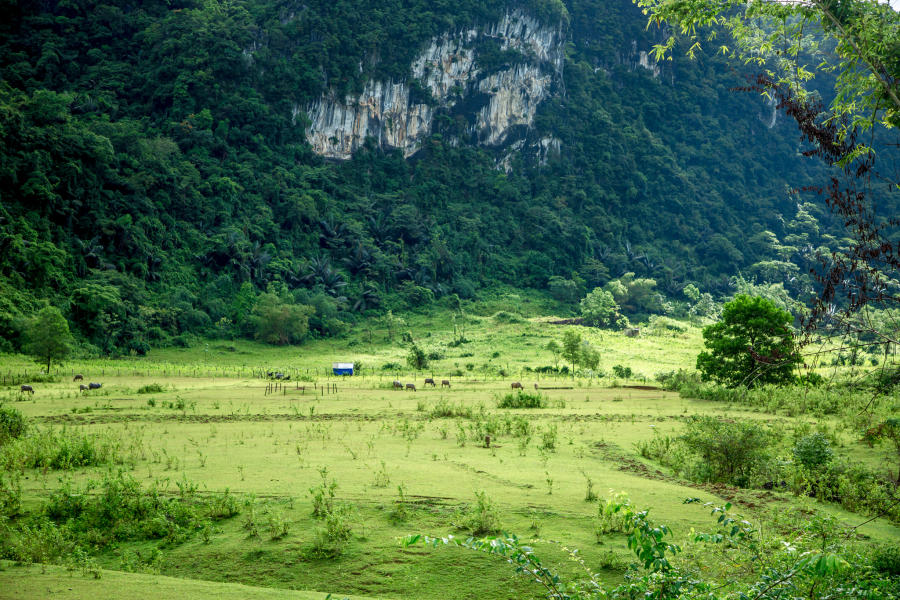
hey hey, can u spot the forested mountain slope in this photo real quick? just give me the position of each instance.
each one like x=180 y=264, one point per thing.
x=164 y=163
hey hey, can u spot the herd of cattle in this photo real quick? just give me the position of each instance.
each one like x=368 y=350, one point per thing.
x=27 y=389
x=411 y=386
x=398 y=385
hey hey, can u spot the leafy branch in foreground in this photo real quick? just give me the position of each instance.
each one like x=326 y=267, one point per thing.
x=816 y=563
x=856 y=39
x=647 y=540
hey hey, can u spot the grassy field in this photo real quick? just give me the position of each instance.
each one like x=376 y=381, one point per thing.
x=403 y=462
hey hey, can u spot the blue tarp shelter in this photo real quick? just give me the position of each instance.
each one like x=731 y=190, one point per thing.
x=340 y=368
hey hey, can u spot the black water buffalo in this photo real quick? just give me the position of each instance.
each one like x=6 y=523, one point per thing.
x=26 y=388
x=94 y=386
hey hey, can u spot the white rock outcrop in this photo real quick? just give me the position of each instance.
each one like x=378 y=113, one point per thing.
x=449 y=69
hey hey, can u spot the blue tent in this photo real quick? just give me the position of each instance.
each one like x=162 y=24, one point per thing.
x=342 y=368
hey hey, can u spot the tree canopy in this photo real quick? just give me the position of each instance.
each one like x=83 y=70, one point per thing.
x=47 y=336
x=751 y=345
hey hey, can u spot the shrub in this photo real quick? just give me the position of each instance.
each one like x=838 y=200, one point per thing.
x=323 y=496
x=391 y=366
x=622 y=372
x=610 y=516
x=483 y=518
x=886 y=559
x=660 y=325
x=507 y=317
x=277 y=322
x=416 y=358
x=549 y=437
x=16 y=380
x=674 y=380
x=730 y=450
x=444 y=409
x=522 y=400
x=150 y=388
x=12 y=424
x=813 y=451
x=60 y=450
x=599 y=309
x=120 y=509
x=415 y=295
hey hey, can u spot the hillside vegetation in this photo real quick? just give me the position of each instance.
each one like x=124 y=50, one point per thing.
x=156 y=180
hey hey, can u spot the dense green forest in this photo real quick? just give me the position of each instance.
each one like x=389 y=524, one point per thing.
x=155 y=182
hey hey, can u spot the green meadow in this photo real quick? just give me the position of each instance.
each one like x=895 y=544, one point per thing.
x=205 y=424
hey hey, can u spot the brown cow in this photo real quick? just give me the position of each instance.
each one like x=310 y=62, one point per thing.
x=78 y=377
x=445 y=382
x=411 y=386
x=398 y=385
x=429 y=380
x=26 y=388
x=517 y=386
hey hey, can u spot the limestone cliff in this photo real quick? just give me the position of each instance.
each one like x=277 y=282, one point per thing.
x=455 y=69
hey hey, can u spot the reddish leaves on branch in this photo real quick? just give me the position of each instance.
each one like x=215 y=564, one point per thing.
x=860 y=276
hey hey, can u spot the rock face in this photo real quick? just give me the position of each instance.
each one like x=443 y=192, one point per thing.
x=494 y=102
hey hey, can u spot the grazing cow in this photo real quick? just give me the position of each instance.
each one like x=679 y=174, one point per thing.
x=411 y=386
x=270 y=374
x=26 y=388
x=517 y=386
x=398 y=385
x=445 y=382
x=287 y=378
x=78 y=377
x=429 y=380
x=279 y=375
x=94 y=386
x=82 y=388
x=633 y=332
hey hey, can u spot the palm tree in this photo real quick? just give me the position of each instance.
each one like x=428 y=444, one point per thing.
x=368 y=298
x=360 y=260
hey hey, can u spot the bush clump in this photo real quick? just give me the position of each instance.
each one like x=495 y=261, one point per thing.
x=813 y=451
x=444 y=409
x=483 y=517
x=729 y=451
x=12 y=424
x=150 y=388
x=507 y=317
x=886 y=559
x=522 y=400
